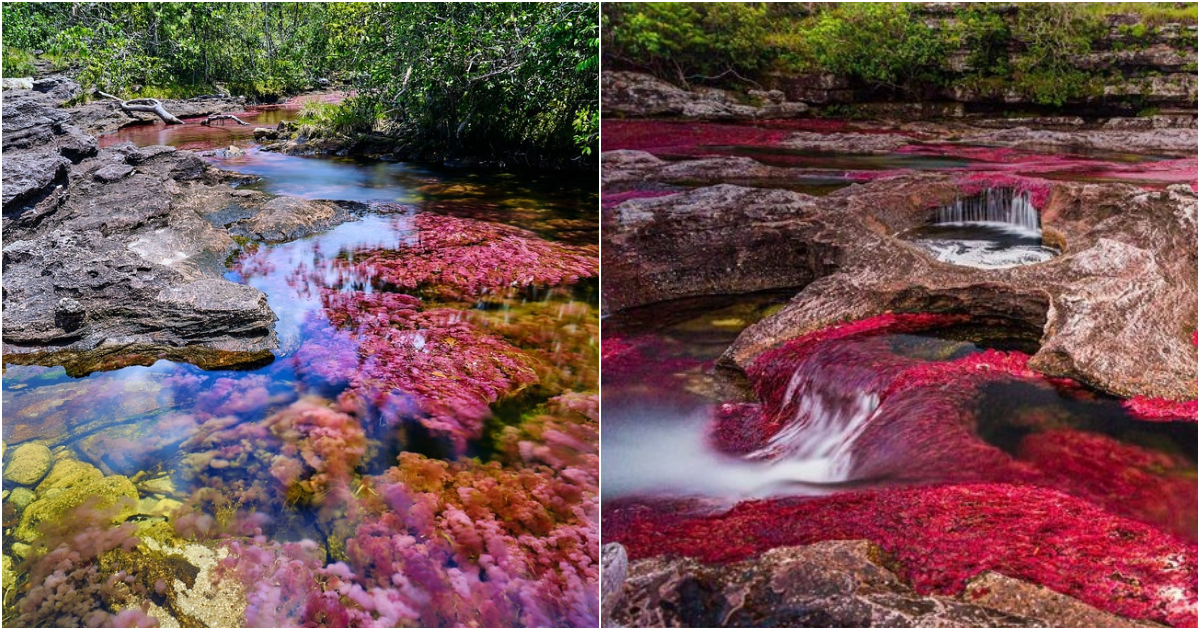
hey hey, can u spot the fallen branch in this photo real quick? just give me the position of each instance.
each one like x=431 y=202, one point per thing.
x=151 y=105
x=208 y=121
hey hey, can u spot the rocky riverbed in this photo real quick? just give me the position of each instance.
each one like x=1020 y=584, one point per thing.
x=823 y=376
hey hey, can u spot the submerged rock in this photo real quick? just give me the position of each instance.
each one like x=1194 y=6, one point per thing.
x=68 y=474
x=27 y=464
x=108 y=492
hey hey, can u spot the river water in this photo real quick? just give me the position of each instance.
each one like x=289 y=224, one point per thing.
x=485 y=385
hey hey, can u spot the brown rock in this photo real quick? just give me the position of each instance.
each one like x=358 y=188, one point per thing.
x=840 y=584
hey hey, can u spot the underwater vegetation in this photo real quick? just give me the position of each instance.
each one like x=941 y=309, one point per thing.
x=425 y=457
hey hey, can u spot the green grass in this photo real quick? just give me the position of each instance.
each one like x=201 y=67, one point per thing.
x=324 y=119
x=17 y=63
x=1152 y=13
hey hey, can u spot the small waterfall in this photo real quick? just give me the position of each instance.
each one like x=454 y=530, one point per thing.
x=993 y=205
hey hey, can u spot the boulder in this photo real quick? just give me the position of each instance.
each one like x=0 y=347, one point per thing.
x=107 y=492
x=27 y=464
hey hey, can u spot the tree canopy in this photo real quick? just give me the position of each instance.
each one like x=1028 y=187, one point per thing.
x=480 y=75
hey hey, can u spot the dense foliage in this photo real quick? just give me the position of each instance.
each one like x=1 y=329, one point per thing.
x=489 y=77
x=899 y=47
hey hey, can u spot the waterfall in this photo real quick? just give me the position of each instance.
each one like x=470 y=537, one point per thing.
x=993 y=205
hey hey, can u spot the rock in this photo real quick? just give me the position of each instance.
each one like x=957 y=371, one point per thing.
x=76 y=145
x=847 y=142
x=839 y=584
x=27 y=464
x=108 y=492
x=58 y=88
x=146 y=282
x=21 y=550
x=1016 y=597
x=29 y=177
x=717 y=240
x=1116 y=310
x=24 y=83
x=30 y=125
x=289 y=218
x=1176 y=141
x=21 y=498
x=262 y=133
x=9 y=577
x=112 y=172
x=158 y=485
x=641 y=95
x=68 y=474
x=614 y=569
x=234 y=151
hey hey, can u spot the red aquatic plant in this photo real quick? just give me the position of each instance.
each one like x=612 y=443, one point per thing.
x=455 y=258
x=399 y=362
x=943 y=536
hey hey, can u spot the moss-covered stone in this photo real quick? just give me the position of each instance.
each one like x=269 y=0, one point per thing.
x=28 y=463
x=108 y=492
x=67 y=474
x=21 y=498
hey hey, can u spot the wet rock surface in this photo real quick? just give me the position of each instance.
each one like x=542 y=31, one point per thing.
x=840 y=584
x=118 y=259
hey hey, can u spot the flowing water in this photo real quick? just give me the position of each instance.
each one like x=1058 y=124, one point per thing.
x=873 y=410
x=230 y=449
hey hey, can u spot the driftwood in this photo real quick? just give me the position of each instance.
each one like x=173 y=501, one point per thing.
x=151 y=105
x=210 y=119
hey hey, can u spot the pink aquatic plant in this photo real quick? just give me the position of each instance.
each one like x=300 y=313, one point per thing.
x=400 y=362
x=460 y=258
x=64 y=584
x=298 y=454
x=437 y=543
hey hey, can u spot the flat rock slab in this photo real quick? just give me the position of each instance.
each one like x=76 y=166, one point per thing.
x=119 y=260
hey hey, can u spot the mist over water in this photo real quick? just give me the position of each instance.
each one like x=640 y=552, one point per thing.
x=663 y=450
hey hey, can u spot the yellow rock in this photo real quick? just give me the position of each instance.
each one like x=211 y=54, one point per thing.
x=109 y=492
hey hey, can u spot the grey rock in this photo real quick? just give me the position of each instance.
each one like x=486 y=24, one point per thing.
x=59 y=89
x=641 y=95
x=289 y=218
x=112 y=172
x=614 y=569
x=29 y=177
x=75 y=145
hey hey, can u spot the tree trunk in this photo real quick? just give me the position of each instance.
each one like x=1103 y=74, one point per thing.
x=150 y=105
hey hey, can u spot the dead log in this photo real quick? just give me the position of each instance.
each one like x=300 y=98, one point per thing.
x=151 y=105
x=208 y=121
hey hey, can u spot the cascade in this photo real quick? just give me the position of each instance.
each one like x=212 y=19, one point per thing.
x=994 y=205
